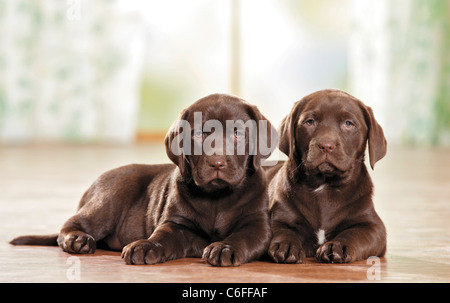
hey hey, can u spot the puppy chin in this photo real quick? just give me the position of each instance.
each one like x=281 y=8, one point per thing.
x=214 y=188
x=325 y=168
x=217 y=184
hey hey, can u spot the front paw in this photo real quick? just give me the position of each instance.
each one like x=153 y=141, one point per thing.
x=334 y=252
x=286 y=252
x=143 y=252
x=221 y=254
x=77 y=242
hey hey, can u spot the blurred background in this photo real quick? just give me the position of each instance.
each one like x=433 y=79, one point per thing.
x=89 y=85
x=120 y=71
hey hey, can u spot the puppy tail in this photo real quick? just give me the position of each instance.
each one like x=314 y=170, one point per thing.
x=46 y=240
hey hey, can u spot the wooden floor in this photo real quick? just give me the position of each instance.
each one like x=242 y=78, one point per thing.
x=40 y=187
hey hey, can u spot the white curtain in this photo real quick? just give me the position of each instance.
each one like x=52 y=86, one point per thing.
x=400 y=64
x=69 y=71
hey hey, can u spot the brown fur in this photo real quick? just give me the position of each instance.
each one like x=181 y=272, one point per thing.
x=155 y=213
x=324 y=185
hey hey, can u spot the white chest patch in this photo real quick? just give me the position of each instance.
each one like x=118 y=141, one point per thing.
x=321 y=236
x=320 y=188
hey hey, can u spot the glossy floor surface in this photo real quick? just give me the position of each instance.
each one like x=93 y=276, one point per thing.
x=40 y=188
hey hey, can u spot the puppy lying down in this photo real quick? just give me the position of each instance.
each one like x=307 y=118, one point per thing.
x=210 y=203
x=321 y=197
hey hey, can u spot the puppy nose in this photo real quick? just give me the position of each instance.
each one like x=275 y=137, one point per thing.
x=216 y=163
x=326 y=146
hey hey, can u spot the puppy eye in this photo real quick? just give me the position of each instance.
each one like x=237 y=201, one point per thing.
x=309 y=122
x=238 y=134
x=198 y=133
x=348 y=124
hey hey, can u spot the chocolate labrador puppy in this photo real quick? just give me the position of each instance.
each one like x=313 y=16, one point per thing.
x=211 y=203
x=321 y=197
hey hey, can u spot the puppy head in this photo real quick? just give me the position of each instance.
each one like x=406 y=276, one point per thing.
x=216 y=142
x=327 y=133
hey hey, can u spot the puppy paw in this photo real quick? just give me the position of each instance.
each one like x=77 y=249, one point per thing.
x=334 y=252
x=77 y=242
x=286 y=252
x=221 y=254
x=143 y=252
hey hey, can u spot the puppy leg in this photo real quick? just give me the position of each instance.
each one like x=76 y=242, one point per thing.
x=246 y=244
x=222 y=254
x=81 y=232
x=77 y=242
x=169 y=241
x=74 y=237
x=286 y=246
x=354 y=244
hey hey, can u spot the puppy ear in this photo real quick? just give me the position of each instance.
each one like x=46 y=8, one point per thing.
x=267 y=137
x=174 y=138
x=168 y=140
x=287 y=129
x=375 y=138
